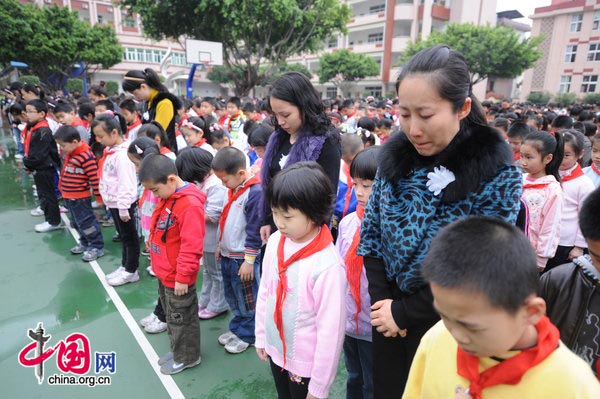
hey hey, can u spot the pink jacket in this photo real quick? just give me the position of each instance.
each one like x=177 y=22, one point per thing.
x=574 y=192
x=544 y=203
x=118 y=184
x=313 y=315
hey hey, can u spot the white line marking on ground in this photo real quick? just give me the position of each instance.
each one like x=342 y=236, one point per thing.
x=151 y=355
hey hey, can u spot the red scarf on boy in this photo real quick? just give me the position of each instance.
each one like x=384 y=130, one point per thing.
x=232 y=197
x=354 y=266
x=510 y=371
x=135 y=124
x=577 y=172
x=320 y=242
x=26 y=133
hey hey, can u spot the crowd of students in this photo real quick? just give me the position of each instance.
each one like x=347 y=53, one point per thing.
x=343 y=226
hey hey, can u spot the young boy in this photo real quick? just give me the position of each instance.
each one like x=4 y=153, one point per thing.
x=239 y=245
x=494 y=340
x=345 y=202
x=516 y=134
x=235 y=126
x=593 y=171
x=42 y=159
x=79 y=172
x=176 y=243
x=571 y=291
x=65 y=114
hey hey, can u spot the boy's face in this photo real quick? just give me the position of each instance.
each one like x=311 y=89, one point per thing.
x=206 y=108
x=232 y=109
x=362 y=189
x=162 y=190
x=33 y=115
x=594 y=250
x=515 y=144
x=129 y=116
x=481 y=329
x=100 y=109
x=231 y=181
x=65 y=118
x=66 y=147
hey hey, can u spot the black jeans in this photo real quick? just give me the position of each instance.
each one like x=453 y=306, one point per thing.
x=130 y=239
x=85 y=222
x=183 y=325
x=288 y=385
x=44 y=182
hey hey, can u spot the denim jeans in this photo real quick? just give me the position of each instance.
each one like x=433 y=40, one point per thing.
x=212 y=295
x=183 y=325
x=359 y=364
x=241 y=297
x=17 y=133
x=84 y=221
x=44 y=182
x=130 y=239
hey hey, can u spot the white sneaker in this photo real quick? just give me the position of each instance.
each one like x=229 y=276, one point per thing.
x=18 y=156
x=148 y=319
x=155 y=326
x=111 y=275
x=45 y=227
x=224 y=339
x=236 y=345
x=150 y=271
x=62 y=209
x=37 y=212
x=123 y=277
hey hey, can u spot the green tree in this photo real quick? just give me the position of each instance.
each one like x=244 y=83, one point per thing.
x=565 y=98
x=74 y=85
x=112 y=87
x=489 y=51
x=30 y=79
x=254 y=33
x=343 y=68
x=592 y=98
x=56 y=40
x=539 y=97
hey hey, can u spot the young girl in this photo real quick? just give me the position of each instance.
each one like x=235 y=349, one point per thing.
x=197 y=133
x=155 y=131
x=129 y=109
x=194 y=165
x=593 y=171
x=357 y=343
x=300 y=311
x=219 y=138
x=541 y=156
x=118 y=188
x=576 y=187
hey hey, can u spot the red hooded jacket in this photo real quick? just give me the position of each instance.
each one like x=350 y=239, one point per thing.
x=177 y=236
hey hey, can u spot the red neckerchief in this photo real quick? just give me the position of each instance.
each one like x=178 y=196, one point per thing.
x=354 y=265
x=320 y=242
x=233 y=118
x=200 y=143
x=516 y=156
x=534 y=184
x=135 y=124
x=595 y=168
x=232 y=196
x=224 y=121
x=509 y=371
x=577 y=172
x=165 y=150
x=107 y=151
x=350 y=115
x=26 y=134
x=78 y=122
x=348 y=196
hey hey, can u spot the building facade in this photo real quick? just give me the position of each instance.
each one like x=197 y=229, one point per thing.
x=571 y=50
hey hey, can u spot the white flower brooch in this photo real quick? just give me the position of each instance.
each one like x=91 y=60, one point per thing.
x=439 y=179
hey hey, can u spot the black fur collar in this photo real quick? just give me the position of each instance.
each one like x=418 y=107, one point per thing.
x=474 y=156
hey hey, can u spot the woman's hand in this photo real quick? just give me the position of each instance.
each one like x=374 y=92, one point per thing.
x=265 y=233
x=382 y=319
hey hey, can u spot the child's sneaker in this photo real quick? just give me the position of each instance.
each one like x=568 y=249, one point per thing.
x=116 y=237
x=200 y=309
x=78 y=249
x=148 y=319
x=172 y=367
x=150 y=271
x=111 y=275
x=108 y=222
x=236 y=345
x=206 y=314
x=46 y=227
x=36 y=212
x=123 y=277
x=224 y=339
x=62 y=209
x=92 y=254
x=155 y=326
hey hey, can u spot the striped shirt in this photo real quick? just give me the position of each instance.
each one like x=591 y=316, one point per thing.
x=79 y=172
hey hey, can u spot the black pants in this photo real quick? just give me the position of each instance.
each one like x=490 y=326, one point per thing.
x=560 y=258
x=44 y=182
x=289 y=386
x=129 y=238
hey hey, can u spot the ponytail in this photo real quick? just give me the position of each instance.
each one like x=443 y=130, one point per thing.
x=134 y=79
x=153 y=80
x=110 y=121
x=557 y=157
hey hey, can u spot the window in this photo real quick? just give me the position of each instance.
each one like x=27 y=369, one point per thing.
x=576 y=21
x=565 y=84
x=374 y=91
x=130 y=54
x=588 y=85
x=375 y=37
x=596 y=21
x=128 y=21
x=332 y=43
x=331 y=92
x=594 y=52
x=379 y=8
x=571 y=53
x=100 y=18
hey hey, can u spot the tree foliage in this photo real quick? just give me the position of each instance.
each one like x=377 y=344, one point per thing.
x=254 y=33
x=539 y=97
x=489 y=51
x=592 y=98
x=565 y=98
x=74 y=85
x=55 y=40
x=343 y=68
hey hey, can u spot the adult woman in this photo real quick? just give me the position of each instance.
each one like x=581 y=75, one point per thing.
x=302 y=133
x=446 y=163
x=161 y=106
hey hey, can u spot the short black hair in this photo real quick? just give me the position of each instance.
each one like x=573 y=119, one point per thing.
x=152 y=130
x=590 y=128
x=156 y=168
x=193 y=164
x=39 y=105
x=589 y=216
x=351 y=144
x=67 y=134
x=562 y=122
x=519 y=129
x=303 y=186
x=500 y=122
x=141 y=147
x=249 y=107
x=487 y=256
x=235 y=101
x=229 y=160
x=129 y=104
x=63 y=106
x=385 y=122
x=107 y=103
x=365 y=163
x=367 y=123
x=85 y=109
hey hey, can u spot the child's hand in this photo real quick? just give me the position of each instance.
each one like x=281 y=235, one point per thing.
x=265 y=233
x=246 y=272
x=382 y=318
x=262 y=354
x=125 y=218
x=575 y=253
x=309 y=396
x=218 y=253
x=180 y=289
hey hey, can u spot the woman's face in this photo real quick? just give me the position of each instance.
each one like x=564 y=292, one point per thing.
x=287 y=114
x=427 y=119
x=142 y=93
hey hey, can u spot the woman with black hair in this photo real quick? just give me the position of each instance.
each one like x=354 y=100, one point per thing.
x=303 y=132
x=161 y=106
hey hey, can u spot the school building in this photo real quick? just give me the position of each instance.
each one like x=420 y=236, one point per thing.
x=571 y=50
